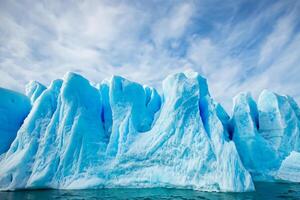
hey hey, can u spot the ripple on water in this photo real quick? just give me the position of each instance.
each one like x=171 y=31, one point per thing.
x=263 y=191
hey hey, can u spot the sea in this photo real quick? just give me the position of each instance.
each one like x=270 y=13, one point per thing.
x=264 y=191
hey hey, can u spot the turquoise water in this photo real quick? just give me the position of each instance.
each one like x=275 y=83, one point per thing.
x=264 y=191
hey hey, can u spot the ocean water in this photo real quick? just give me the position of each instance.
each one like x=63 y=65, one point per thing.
x=264 y=191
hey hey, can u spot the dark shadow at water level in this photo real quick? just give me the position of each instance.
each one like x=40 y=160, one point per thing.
x=263 y=191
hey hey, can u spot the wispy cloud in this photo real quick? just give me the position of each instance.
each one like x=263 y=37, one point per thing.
x=237 y=45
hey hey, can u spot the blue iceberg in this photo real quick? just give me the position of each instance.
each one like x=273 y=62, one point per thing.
x=119 y=133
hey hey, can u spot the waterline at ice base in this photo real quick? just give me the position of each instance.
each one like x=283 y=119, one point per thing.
x=77 y=135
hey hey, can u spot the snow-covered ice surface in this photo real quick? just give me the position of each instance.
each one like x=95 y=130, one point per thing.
x=14 y=107
x=123 y=134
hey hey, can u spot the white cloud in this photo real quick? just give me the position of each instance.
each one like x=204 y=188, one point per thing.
x=276 y=41
x=173 y=25
x=234 y=49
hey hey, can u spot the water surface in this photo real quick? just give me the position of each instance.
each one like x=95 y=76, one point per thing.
x=263 y=191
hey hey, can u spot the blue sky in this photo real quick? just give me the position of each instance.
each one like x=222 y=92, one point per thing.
x=237 y=45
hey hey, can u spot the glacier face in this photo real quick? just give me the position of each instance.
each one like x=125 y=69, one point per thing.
x=122 y=134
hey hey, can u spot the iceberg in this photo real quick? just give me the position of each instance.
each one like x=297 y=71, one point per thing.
x=266 y=133
x=14 y=107
x=123 y=134
x=186 y=146
x=75 y=134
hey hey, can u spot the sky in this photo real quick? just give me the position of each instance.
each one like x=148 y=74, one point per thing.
x=240 y=45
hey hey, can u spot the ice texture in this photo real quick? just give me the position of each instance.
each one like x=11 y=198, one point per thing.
x=290 y=170
x=279 y=122
x=14 y=107
x=266 y=133
x=123 y=134
x=186 y=146
x=120 y=133
x=33 y=90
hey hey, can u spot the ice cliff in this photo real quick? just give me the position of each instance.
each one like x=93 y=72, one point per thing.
x=122 y=134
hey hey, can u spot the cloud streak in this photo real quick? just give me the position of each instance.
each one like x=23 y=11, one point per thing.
x=237 y=45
